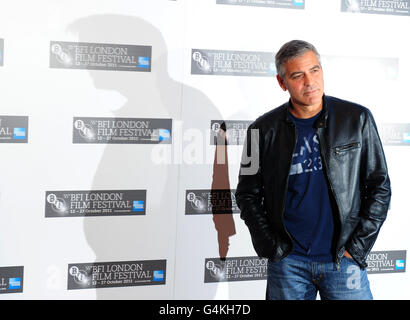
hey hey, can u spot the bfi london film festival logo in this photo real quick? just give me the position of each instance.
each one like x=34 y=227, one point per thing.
x=95 y=203
x=13 y=129
x=122 y=130
x=233 y=131
x=395 y=134
x=216 y=201
x=232 y=63
x=11 y=279
x=1 y=52
x=116 y=274
x=392 y=7
x=235 y=269
x=290 y=4
x=386 y=261
x=100 y=56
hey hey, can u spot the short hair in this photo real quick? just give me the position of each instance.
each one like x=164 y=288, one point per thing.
x=290 y=50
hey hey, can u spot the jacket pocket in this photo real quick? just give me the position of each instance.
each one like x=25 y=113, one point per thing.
x=347 y=147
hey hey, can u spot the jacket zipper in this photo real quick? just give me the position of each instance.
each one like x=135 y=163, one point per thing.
x=341 y=149
x=338 y=259
x=286 y=188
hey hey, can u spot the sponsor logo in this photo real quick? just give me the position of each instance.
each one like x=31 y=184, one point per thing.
x=143 y=62
x=95 y=203
x=164 y=135
x=386 y=261
x=235 y=269
x=216 y=201
x=116 y=274
x=138 y=206
x=19 y=133
x=400 y=264
x=158 y=276
x=234 y=63
x=13 y=129
x=406 y=137
x=100 y=56
x=122 y=130
x=14 y=283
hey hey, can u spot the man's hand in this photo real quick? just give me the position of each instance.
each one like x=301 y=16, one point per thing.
x=347 y=255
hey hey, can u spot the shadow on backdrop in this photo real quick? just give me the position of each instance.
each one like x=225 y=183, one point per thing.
x=130 y=166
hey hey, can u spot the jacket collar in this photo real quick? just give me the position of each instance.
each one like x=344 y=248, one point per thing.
x=321 y=121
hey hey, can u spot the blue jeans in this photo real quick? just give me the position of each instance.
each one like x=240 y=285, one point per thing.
x=294 y=279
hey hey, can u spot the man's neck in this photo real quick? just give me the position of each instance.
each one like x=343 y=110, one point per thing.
x=305 y=112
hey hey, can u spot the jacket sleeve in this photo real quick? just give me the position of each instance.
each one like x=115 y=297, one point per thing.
x=250 y=196
x=376 y=193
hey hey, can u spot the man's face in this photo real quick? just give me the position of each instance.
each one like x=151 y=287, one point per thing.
x=303 y=79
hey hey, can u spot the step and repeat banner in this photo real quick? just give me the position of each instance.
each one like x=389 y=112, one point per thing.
x=121 y=132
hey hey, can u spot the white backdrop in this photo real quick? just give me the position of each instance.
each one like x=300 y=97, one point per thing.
x=366 y=59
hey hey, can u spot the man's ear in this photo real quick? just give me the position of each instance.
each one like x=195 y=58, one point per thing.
x=281 y=82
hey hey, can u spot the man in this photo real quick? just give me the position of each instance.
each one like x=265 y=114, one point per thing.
x=313 y=186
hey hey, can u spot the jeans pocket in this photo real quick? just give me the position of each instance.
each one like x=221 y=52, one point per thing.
x=350 y=260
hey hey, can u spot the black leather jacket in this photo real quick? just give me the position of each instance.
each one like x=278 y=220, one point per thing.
x=354 y=165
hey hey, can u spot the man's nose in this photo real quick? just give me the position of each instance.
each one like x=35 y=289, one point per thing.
x=308 y=80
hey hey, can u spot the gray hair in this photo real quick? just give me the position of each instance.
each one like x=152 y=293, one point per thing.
x=290 y=50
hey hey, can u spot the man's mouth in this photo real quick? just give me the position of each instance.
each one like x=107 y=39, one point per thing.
x=310 y=92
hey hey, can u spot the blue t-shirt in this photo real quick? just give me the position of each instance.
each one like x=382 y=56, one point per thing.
x=308 y=213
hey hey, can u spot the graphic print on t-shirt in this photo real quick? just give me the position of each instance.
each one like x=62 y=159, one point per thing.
x=307 y=158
